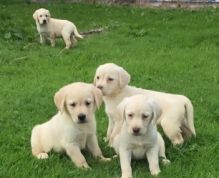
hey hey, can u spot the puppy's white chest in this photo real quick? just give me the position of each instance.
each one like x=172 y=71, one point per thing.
x=139 y=150
x=45 y=31
x=42 y=29
x=81 y=140
x=139 y=145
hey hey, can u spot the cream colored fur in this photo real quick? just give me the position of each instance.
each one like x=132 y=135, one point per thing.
x=138 y=137
x=73 y=128
x=176 y=118
x=50 y=28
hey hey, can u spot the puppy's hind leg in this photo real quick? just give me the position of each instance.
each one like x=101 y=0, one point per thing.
x=67 y=38
x=172 y=130
x=73 y=40
x=162 y=154
x=37 y=149
x=186 y=132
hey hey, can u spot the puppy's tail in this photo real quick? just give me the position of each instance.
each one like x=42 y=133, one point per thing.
x=190 y=115
x=93 y=31
x=76 y=33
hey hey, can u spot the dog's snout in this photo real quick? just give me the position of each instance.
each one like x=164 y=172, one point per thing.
x=100 y=87
x=44 y=21
x=81 y=117
x=136 y=130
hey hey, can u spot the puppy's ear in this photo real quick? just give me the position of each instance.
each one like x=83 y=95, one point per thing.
x=98 y=98
x=156 y=109
x=95 y=80
x=49 y=15
x=121 y=108
x=35 y=15
x=95 y=77
x=59 y=99
x=124 y=77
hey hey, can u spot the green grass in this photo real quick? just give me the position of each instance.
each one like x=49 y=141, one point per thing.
x=174 y=51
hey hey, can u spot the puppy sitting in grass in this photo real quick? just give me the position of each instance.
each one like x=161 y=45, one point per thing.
x=138 y=137
x=73 y=128
x=50 y=28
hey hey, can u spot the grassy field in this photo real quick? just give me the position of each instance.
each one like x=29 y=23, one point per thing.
x=166 y=50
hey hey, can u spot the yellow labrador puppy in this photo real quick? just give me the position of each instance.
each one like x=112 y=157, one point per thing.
x=73 y=128
x=138 y=137
x=50 y=28
x=176 y=118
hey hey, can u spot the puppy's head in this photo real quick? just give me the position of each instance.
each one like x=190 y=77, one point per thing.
x=79 y=101
x=41 y=16
x=139 y=113
x=111 y=78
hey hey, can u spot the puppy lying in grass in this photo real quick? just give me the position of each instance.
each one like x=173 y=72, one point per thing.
x=176 y=118
x=73 y=128
x=50 y=28
x=138 y=137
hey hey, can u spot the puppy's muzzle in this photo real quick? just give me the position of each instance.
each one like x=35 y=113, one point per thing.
x=136 y=131
x=100 y=87
x=44 y=21
x=82 y=118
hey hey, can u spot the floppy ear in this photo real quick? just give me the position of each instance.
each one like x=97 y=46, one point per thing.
x=59 y=99
x=98 y=98
x=95 y=79
x=124 y=77
x=121 y=108
x=156 y=109
x=49 y=15
x=35 y=15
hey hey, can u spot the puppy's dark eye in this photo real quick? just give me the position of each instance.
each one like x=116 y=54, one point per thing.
x=40 y=15
x=130 y=115
x=73 y=104
x=87 y=103
x=98 y=77
x=46 y=15
x=110 y=79
x=144 y=116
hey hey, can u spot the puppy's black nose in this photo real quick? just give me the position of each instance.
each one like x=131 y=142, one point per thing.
x=136 y=130
x=100 y=87
x=44 y=21
x=81 y=117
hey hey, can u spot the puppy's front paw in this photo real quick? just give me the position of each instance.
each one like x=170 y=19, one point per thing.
x=42 y=156
x=178 y=140
x=155 y=172
x=115 y=156
x=87 y=167
x=126 y=176
x=102 y=158
x=105 y=139
x=165 y=161
x=110 y=143
x=84 y=166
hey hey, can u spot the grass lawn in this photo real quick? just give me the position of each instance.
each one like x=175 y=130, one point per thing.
x=174 y=51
